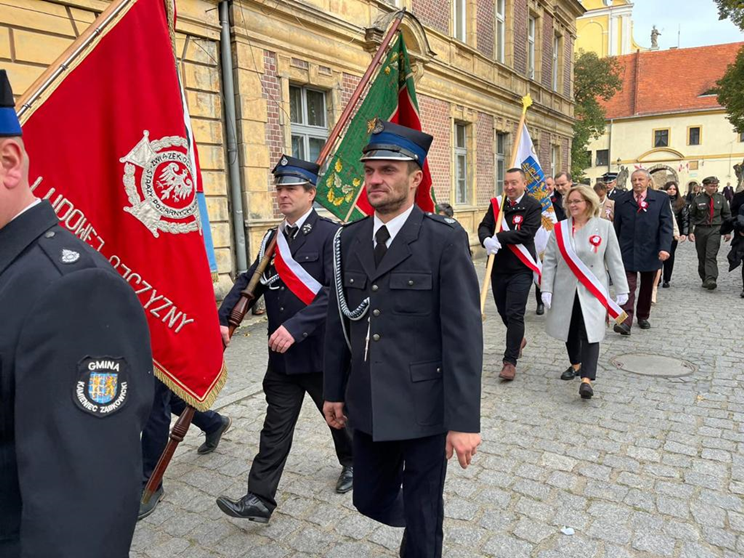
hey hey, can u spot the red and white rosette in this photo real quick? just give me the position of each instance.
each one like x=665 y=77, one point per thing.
x=595 y=240
x=643 y=206
x=584 y=274
x=518 y=219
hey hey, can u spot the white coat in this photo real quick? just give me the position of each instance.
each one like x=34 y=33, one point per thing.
x=558 y=279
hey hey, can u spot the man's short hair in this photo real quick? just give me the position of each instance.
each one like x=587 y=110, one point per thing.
x=517 y=169
x=643 y=171
x=568 y=176
x=600 y=186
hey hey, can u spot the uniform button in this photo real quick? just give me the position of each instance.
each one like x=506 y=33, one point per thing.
x=410 y=282
x=50 y=234
x=304 y=334
x=375 y=312
x=281 y=288
x=375 y=288
x=439 y=370
x=351 y=280
x=376 y=337
x=281 y=309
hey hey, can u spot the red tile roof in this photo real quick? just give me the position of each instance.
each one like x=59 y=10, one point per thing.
x=663 y=81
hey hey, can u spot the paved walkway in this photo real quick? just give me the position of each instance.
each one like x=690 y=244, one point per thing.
x=649 y=467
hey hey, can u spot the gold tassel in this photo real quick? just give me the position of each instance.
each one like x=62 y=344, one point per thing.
x=200 y=405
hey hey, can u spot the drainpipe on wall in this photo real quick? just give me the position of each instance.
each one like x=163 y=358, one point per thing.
x=231 y=126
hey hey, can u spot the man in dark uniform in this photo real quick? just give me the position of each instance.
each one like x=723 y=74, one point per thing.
x=708 y=211
x=511 y=278
x=296 y=295
x=76 y=379
x=406 y=359
x=610 y=180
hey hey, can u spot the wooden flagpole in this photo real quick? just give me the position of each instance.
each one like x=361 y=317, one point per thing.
x=526 y=103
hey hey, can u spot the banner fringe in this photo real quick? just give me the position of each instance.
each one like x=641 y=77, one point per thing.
x=203 y=405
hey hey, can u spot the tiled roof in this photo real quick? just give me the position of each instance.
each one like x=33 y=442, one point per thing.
x=663 y=81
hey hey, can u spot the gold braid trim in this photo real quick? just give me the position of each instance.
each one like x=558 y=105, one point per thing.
x=200 y=405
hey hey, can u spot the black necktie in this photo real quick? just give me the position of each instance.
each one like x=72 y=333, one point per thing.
x=290 y=231
x=381 y=236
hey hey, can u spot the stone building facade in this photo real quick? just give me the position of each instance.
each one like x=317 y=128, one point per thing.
x=296 y=64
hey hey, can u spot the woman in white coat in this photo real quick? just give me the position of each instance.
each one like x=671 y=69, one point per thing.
x=576 y=315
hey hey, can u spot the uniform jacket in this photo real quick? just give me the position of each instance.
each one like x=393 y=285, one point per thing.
x=422 y=372
x=557 y=201
x=700 y=210
x=312 y=249
x=557 y=278
x=607 y=209
x=70 y=478
x=615 y=193
x=643 y=234
x=506 y=261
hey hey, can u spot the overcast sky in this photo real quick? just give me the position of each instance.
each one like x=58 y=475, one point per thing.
x=697 y=21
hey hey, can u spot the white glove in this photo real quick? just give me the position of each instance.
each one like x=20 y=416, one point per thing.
x=547 y=299
x=492 y=245
x=621 y=299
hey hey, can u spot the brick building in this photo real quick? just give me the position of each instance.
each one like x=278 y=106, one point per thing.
x=297 y=62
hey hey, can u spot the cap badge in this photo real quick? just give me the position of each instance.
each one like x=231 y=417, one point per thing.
x=379 y=127
x=284 y=162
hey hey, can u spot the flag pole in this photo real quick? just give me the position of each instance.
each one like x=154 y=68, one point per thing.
x=526 y=103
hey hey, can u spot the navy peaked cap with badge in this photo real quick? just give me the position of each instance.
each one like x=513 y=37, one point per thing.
x=609 y=176
x=291 y=171
x=9 y=125
x=393 y=141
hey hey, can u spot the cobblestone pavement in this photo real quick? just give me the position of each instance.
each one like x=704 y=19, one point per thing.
x=650 y=467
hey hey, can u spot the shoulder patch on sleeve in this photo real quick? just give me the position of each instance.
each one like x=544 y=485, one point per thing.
x=102 y=385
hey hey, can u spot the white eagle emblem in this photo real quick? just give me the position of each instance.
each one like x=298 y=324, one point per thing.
x=160 y=185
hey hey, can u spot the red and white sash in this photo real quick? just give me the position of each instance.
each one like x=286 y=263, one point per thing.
x=583 y=273
x=303 y=285
x=518 y=249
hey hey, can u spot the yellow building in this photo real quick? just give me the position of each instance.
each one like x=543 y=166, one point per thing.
x=665 y=118
x=294 y=65
x=606 y=28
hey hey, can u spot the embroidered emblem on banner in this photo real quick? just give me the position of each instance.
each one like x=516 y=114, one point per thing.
x=102 y=386
x=160 y=185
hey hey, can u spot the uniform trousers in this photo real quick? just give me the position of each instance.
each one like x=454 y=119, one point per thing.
x=580 y=351
x=707 y=244
x=643 y=309
x=157 y=429
x=511 y=292
x=284 y=395
x=400 y=483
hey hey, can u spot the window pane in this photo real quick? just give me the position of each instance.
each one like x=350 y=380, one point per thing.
x=694 y=136
x=661 y=138
x=316 y=108
x=499 y=40
x=460 y=135
x=298 y=147
x=295 y=105
x=316 y=146
x=500 y=143
x=741 y=136
x=602 y=157
x=500 y=171
x=461 y=179
x=460 y=19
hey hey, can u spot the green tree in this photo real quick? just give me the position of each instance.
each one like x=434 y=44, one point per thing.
x=594 y=78
x=730 y=86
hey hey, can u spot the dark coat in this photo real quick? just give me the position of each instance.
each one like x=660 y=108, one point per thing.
x=70 y=475
x=737 y=202
x=643 y=234
x=615 y=193
x=506 y=262
x=560 y=211
x=682 y=215
x=312 y=249
x=736 y=255
x=422 y=371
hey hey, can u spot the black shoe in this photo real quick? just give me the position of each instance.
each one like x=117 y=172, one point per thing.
x=213 y=439
x=402 y=550
x=570 y=373
x=711 y=285
x=345 y=480
x=585 y=390
x=149 y=507
x=742 y=293
x=665 y=285
x=248 y=507
x=540 y=309
x=622 y=329
x=643 y=324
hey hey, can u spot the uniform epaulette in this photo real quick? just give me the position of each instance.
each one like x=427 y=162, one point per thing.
x=350 y=223
x=441 y=219
x=65 y=251
x=327 y=220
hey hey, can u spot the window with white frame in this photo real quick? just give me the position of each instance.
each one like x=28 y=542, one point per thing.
x=461 y=164
x=500 y=30
x=531 y=38
x=555 y=158
x=460 y=19
x=500 y=166
x=308 y=117
x=556 y=61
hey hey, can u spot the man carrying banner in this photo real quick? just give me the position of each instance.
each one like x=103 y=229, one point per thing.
x=296 y=294
x=515 y=263
x=404 y=348
x=76 y=379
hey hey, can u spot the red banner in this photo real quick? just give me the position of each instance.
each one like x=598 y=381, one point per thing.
x=110 y=148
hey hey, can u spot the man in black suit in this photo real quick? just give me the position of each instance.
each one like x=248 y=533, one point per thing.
x=405 y=359
x=643 y=224
x=76 y=381
x=296 y=293
x=512 y=276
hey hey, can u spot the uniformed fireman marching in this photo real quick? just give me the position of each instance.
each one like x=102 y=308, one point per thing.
x=708 y=211
x=296 y=294
x=76 y=380
x=404 y=345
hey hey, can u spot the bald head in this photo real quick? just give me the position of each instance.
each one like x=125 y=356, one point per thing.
x=15 y=192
